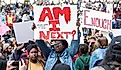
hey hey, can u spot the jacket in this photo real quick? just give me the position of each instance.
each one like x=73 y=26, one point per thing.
x=98 y=54
x=65 y=58
x=79 y=65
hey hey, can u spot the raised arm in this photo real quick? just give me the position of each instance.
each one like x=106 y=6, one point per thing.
x=75 y=44
x=43 y=47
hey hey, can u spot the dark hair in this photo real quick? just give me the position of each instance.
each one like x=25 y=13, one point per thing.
x=31 y=46
x=93 y=38
x=83 y=48
x=97 y=31
x=64 y=42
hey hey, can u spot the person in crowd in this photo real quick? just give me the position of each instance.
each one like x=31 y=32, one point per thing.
x=98 y=55
x=112 y=59
x=33 y=58
x=83 y=59
x=34 y=61
x=7 y=50
x=77 y=55
x=91 y=42
x=3 y=17
x=25 y=17
x=59 y=53
x=9 y=19
x=97 y=34
x=2 y=58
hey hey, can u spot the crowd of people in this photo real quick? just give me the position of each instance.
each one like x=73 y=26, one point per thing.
x=96 y=53
x=24 y=12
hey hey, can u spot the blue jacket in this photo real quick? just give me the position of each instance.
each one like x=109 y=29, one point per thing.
x=66 y=56
x=98 y=54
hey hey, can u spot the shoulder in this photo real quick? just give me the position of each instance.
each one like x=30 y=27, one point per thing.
x=98 y=68
x=78 y=60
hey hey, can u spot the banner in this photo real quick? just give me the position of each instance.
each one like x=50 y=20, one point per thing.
x=23 y=32
x=55 y=22
x=96 y=19
x=3 y=28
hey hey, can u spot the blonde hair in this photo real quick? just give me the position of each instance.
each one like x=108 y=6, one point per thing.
x=96 y=44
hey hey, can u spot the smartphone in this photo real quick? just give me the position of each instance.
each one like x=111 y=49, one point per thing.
x=15 y=63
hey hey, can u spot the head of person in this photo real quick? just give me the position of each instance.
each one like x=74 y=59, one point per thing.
x=60 y=45
x=91 y=42
x=97 y=33
x=62 y=67
x=7 y=49
x=113 y=53
x=83 y=48
x=92 y=39
x=32 y=52
x=103 y=42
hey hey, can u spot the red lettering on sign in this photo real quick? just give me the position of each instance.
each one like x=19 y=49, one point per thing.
x=67 y=33
x=43 y=15
x=85 y=16
x=66 y=12
x=103 y=23
x=42 y=35
x=110 y=22
x=56 y=12
x=53 y=35
x=56 y=35
x=54 y=28
x=73 y=33
x=60 y=35
x=93 y=21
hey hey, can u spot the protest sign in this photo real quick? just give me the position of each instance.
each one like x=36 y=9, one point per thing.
x=23 y=32
x=55 y=22
x=116 y=32
x=96 y=19
x=3 y=28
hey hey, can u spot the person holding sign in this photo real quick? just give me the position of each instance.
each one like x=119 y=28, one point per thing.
x=59 y=53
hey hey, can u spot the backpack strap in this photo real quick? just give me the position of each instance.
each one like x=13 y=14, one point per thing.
x=106 y=67
x=84 y=61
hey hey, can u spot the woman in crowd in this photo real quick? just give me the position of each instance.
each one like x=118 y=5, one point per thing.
x=83 y=59
x=98 y=55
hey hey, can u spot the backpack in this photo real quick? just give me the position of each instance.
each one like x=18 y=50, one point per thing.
x=86 y=65
x=107 y=67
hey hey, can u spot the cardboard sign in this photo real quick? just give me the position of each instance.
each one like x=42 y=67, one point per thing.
x=3 y=28
x=55 y=22
x=23 y=32
x=96 y=19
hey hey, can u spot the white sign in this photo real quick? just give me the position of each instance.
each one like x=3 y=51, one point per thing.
x=116 y=32
x=96 y=19
x=23 y=32
x=55 y=22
